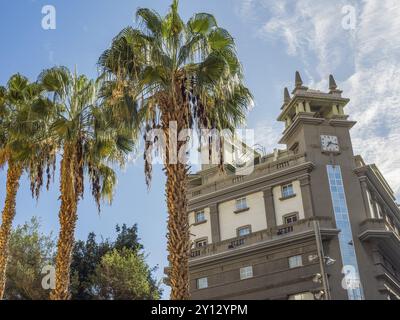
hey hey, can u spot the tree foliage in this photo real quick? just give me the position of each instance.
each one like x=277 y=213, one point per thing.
x=123 y=275
x=89 y=262
x=101 y=270
x=166 y=69
x=24 y=124
x=30 y=251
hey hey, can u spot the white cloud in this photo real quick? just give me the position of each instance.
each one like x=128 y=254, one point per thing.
x=375 y=87
x=245 y=9
x=370 y=55
x=267 y=133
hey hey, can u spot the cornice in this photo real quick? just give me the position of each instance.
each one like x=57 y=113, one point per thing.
x=342 y=123
x=255 y=185
x=300 y=119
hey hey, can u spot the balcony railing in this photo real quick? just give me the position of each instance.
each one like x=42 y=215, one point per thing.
x=285 y=230
x=266 y=235
x=236 y=243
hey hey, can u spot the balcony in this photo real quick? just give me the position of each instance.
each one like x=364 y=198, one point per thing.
x=271 y=236
x=381 y=231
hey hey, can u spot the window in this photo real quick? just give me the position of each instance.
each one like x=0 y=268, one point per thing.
x=379 y=210
x=354 y=292
x=201 y=243
x=243 y=231
x=287 y=191
x=389 y=221
x=246 y=272
x=302 y=296
x=371 y=205
x=202 y=283
x=295 y=261
x=200 y=216
x=291 y=218
x=241 y=204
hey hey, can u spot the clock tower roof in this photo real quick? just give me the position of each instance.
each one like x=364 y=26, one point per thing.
x=314 y=103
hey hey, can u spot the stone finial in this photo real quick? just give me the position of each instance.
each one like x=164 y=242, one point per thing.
x=286 y=96
x=333 y=89
x=332 y=83
x=298 y=80
x=298 y=84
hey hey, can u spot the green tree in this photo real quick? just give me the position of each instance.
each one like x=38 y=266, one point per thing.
x=186 y=73
x=23 y=146
x=123 y=275
x=87 y=256
x=30 y=251
x=127 y=237
x=84 y=130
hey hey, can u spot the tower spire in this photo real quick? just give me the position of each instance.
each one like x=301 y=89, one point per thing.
x=298 y=83
x=332 y=83
x=333 y=86
x=286 y=96
x=298 y=80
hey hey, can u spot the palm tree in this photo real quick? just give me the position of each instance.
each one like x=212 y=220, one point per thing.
x=89 y=139
x=188 y=73
x=23 y=146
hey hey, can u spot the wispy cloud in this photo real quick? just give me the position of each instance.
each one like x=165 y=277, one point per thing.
x=370 y=55
x=267 y=133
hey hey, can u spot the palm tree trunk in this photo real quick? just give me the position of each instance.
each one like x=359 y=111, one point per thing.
x=14 y=173
x=67 y=218
x=178 y=234
x=178 y=231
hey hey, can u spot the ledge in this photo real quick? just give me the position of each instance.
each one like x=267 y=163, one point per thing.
x=288 y=197
x=300 y=118
x=241 y=210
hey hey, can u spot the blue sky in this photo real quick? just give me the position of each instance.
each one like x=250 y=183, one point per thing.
x=273 y=40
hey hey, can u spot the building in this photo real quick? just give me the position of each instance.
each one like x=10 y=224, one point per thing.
x=310 y=222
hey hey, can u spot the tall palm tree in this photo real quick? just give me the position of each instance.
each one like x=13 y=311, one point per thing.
x=188 y=73
x=23 y=146
x=89 y=139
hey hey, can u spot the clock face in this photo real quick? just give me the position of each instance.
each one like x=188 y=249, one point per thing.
x=330 y=143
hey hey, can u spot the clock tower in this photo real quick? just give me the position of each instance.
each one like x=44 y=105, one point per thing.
x=316 y=120
x=316 y=125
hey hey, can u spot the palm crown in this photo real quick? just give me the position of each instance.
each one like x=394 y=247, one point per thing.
x=82 y=123
x=23 y=129
x=189 y=71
